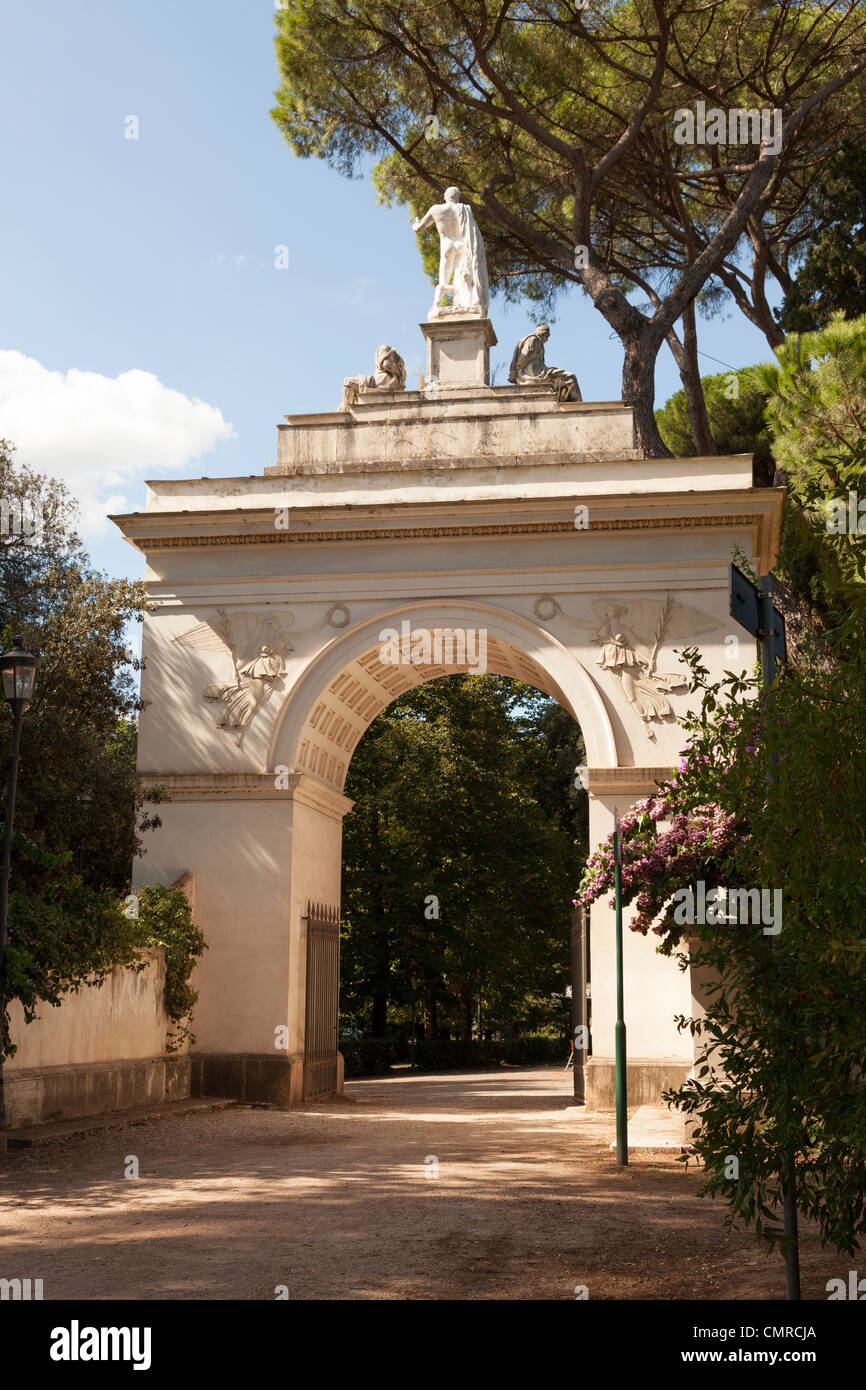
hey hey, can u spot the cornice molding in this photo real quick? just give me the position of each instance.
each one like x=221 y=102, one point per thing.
x=250 y=786
x=608 y=781
x=188 y=541
x=308 y=790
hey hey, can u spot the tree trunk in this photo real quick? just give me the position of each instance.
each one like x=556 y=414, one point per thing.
x=771 y=330
x=382 y=958
x=758 y=313
x=380 y=1014
x=431 y=1021
x=686 y=357
x=466 y=1018
x=638 y=390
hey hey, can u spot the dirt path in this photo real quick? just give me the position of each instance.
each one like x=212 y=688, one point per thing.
x=335 y=1202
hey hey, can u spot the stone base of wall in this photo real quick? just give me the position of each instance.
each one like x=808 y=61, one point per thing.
x=248 y=1076
x=251 y=1076
x=36 y=1096
x=645 y=1081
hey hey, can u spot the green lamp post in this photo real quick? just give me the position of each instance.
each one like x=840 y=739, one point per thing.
x=621 y=1092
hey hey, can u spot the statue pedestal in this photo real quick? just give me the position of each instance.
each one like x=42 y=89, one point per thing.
x=458 y=350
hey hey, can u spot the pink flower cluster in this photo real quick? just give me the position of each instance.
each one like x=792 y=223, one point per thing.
x=654 y=862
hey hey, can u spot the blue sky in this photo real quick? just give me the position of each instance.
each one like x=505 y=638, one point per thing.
x=139 y=275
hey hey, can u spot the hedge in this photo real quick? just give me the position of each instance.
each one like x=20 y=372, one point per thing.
x=368 y=1056
x=375 y=1056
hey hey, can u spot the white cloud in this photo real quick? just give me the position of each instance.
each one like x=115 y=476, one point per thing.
x=101 y=434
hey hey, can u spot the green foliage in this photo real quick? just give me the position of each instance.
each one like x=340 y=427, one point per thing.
x=69 y=935
x=443 y=1054
x=78 y=800
x=376 y=1057
x=368 y=1056
x=165 y=921
x=736 y=402
x=77 y=786
x=464 y=794
x=808 y=563
x=806 y=414
x=817 y=417
x=61 y=937
x=769 y=796
x=559 y=140
x=832 y=278
x=817 y=406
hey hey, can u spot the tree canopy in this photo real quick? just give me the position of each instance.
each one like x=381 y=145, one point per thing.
x=832 y=278
x=736 y=406
x=816 y=412
x=77 y=784
x=802 y=417
x=559 y=122
x=79 y=814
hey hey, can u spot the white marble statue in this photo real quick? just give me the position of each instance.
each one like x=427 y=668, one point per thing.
x=528 y=367
x=463 y=287
x=390 y=375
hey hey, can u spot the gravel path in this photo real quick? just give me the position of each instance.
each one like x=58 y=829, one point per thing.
x=472 y=1186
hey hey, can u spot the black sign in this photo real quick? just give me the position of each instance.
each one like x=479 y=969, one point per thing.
x=779 y=645
x=745 y=604
x=744 y=601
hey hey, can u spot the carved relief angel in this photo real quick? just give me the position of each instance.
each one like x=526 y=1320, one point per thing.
x=645 y=693
x=256 y=646
x=630 y=635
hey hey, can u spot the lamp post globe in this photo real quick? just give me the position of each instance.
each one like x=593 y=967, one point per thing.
x=18 y=669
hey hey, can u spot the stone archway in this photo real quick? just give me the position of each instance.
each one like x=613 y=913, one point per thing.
x=347 y=686
x=468 y=506
x=333 y=704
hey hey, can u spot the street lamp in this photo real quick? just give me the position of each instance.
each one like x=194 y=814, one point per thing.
x=619 y=1031
x=18 y=669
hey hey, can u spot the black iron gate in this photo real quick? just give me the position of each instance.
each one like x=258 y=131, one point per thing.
x=323 y=995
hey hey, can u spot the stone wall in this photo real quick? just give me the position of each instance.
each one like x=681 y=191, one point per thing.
x=410 y=430
x=102 y=1049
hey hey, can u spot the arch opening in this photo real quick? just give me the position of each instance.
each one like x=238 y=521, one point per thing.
x=349 y=684
x=473 y=757
x=368 y=684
